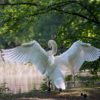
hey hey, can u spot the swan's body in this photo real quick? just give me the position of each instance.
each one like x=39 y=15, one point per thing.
x=49 y=64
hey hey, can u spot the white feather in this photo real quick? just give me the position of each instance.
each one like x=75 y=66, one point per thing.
x=58 y=78
x=28 y=52
x=77 y=54
x=49 y=64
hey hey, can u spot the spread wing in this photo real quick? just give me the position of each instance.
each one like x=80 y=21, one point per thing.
x=28 y=52
x=75 y=56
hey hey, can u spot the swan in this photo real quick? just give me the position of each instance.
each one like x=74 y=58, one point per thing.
x=48 y=63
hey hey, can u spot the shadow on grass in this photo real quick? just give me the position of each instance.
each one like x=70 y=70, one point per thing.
x=70 y=94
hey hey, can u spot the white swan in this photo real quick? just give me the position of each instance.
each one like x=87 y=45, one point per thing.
x=49 y=64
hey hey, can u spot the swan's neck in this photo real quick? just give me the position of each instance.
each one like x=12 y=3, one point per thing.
x=52 y=44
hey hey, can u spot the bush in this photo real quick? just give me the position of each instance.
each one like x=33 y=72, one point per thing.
x=44 y=85
x=68 y=78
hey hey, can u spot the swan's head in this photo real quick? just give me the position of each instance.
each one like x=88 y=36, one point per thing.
x=53 y=46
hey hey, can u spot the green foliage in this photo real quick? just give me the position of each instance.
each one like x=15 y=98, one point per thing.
x=44 y=86
x=90 y=80
x=68 y=78
x=3 y=89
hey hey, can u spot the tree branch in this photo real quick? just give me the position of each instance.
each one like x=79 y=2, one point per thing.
x=22 y=3
x=77 y=14
x=89 y=11
x=58 y=7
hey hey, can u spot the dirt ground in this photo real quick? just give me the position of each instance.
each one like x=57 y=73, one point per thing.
x=70 y=94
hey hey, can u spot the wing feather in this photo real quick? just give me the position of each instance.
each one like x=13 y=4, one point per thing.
x=90 y=53
x=58 y=78
x=77 y=54
x=28 y=52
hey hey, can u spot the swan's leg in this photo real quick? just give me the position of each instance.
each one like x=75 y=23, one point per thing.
x=60 y=90
x=73 y=79
x=49 y=86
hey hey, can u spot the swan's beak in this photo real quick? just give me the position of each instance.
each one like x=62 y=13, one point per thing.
x=48 y=49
